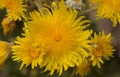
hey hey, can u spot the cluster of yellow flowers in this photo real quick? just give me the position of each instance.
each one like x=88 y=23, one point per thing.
x=56 y=38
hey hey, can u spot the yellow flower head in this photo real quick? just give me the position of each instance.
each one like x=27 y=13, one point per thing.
x=108 y=9
x=8 y=26
x=62 y=35
x=4 y=52
x=28 y=51
x=84 y=68
x=15 y=9
x=101 y=48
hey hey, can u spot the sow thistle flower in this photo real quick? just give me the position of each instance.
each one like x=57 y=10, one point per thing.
x=101 y=48
x=4 y=52
x=84 y=68
x=28 y=51
x=61 y=36
x=15 y=9
x=108 y=9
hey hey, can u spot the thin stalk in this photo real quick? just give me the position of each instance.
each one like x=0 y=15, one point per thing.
x=88 y=10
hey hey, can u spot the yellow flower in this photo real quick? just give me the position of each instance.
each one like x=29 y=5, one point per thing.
x=28 y=51
x=4 y=52
x=108 y=9
x=62 y=34
x=15 y=9
x=101 y=48
x=84 y=68
x=8 y=26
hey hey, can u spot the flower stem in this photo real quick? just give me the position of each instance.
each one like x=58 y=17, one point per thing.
x=87 y=11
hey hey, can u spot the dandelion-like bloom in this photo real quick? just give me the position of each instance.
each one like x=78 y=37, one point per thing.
x=4 y=52
x=15 y=9
x=62 y=35
x=108 y=9
x=84 y=68
x=101 y=48
x=28 y=51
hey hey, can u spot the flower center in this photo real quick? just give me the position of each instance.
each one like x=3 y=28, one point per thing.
x=34 y=54
x=8 y=4
x=58 y=37
x=98 y=51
